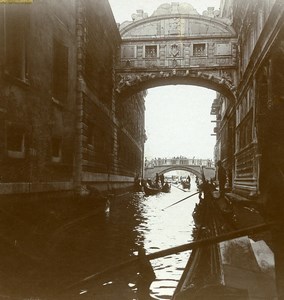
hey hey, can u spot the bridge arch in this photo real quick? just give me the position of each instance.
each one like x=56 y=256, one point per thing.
x=176 y=45
x=182 y=168
x=129 y=84
x=197 y=170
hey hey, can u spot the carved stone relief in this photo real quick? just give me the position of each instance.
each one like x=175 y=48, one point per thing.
x=130 y=80
x=175 y=50
x=174 y=26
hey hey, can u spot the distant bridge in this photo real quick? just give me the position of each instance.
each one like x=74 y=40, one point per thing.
x=195 y=166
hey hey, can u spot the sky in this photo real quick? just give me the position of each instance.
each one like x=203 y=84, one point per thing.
x=123 y=9
x=178 y=120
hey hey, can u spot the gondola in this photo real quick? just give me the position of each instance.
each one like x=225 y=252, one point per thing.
x=221 y=271
x=218 y=264
x=149 y=191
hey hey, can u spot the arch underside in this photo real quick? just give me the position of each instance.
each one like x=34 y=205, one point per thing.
x=208 y=172
x=132 y=83
x=181 y=168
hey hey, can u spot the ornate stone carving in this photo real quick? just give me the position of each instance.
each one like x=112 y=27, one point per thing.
x=175 y=50
x=129 y=80
x=139 y=15
x=227 y=76
x=211 y=12
x=175 y=26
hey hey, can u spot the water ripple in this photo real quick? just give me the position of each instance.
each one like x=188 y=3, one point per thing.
x=163 y=229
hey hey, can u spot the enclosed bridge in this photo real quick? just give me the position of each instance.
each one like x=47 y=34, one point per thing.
x=177 y=45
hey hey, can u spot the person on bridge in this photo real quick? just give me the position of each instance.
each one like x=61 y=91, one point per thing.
x=221 y=176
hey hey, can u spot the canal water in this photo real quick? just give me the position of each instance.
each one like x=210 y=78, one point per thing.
x=164 y=228
x=136 y=220
x=71 y=261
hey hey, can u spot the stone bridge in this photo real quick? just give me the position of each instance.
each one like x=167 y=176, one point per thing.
x=195 y=167
x=176 y=45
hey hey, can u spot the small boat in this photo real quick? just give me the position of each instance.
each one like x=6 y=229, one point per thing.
x=201 y=278
x=149 y=191
x=227 y=270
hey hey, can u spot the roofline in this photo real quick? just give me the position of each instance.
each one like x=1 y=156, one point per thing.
x=134 y=24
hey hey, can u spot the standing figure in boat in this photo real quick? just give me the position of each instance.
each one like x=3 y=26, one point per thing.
x=188 y=179
x=157 y=179
x=162 y=178
x=196 y=181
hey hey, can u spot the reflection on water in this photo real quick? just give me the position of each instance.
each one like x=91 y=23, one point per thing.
x=162 y=229
x=71 y=251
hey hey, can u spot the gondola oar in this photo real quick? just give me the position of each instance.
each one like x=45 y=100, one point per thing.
x=185 y=247
x=213 y=240
x=180 y=200
x=180 y=189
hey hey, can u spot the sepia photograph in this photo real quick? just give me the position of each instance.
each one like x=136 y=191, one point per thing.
x=141 y=150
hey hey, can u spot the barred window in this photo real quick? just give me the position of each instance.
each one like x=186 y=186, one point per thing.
x=151 y=51
x=199 y=49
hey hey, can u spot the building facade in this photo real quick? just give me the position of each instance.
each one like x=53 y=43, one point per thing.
x=250 y=131
x=61 y=127
x=72 y=89
x=110 y=133
x=38 y=96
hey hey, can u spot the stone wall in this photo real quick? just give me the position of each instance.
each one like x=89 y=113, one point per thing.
x=109 y=148
x=37 y=90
